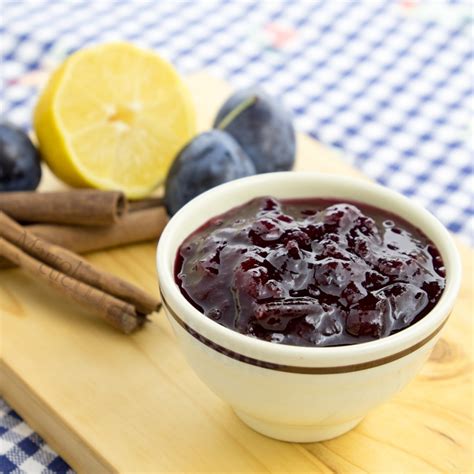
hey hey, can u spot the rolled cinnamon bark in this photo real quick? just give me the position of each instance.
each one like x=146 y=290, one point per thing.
x=71 y=264
x=146 y=203
x=135 y=227
x=83 y=207
x=118 y=313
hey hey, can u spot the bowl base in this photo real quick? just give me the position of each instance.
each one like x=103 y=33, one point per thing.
x=296 y=433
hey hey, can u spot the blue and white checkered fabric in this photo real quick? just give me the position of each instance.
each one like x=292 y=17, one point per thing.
x=22 y=450
x=388 y=83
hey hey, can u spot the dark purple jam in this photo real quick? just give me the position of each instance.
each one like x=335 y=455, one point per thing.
x=310 y=272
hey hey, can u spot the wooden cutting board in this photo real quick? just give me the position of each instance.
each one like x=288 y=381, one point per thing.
x=108 y=402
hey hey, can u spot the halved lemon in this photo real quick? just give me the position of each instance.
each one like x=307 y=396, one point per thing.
x=114 y=116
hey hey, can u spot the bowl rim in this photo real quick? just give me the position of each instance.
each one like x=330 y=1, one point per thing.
x=230 y=340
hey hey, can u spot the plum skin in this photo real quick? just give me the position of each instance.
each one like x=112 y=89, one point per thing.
x=209 y=159
x=264 y=130
x=20 y=168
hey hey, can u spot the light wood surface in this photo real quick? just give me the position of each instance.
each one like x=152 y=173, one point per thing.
x=108 y=402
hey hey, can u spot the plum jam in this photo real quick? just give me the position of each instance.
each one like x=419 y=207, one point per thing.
x=310 y=272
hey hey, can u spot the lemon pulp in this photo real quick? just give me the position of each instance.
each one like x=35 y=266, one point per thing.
x=113 y=117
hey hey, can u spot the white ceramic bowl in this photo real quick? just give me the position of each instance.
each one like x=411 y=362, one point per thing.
x=301 y=393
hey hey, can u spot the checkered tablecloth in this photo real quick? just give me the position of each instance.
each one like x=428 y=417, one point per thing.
x=387 y=83
x=22 y=450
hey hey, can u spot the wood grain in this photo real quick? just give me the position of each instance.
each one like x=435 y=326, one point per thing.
x=114 y=403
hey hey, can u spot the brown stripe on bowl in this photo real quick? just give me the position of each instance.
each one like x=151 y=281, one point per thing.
x=295 y=369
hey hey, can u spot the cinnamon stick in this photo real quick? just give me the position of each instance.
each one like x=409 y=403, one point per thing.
x=85 y=207
x=75 y=266
x=119 y=314
x=135 y=227
x=146 y=203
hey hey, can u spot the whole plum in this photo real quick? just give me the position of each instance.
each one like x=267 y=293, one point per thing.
x=209 y=159
x=263 y=128
x=20 y=168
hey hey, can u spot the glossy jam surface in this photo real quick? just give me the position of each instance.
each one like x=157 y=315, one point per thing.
x=310 y=272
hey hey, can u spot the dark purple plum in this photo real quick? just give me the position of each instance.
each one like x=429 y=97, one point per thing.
x=263 y=128
x=209 y=159
x=20 y=168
